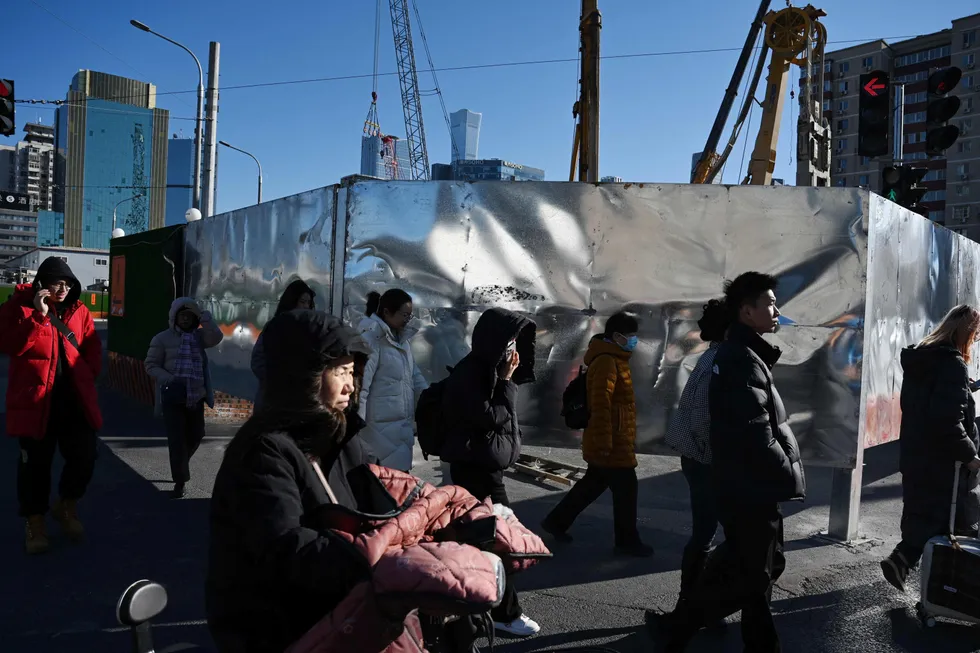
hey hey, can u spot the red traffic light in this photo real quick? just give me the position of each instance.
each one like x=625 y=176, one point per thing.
x=945 y=80
x=6 y=88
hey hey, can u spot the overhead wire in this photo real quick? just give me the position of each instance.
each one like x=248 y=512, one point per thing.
x=471 y=67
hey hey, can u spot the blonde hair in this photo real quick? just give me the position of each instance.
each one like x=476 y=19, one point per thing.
x=959 y=329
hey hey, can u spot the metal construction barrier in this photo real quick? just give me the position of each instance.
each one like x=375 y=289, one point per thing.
x=571 y=254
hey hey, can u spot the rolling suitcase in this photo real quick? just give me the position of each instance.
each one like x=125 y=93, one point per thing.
x=950 y=574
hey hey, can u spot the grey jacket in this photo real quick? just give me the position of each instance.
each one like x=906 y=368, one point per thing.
x=162 y=354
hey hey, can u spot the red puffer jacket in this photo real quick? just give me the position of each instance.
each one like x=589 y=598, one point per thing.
x=416 y=565
x=31 y=341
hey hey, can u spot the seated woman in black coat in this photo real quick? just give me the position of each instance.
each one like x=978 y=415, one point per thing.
x=938 y=430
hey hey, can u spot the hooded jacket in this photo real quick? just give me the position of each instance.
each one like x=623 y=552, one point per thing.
x=610 y=438
x=480 y=408
x=938 y=429
x=287 y=302
x=755 y=456
x=161 y=357
x=389 y=393
x=43 y=363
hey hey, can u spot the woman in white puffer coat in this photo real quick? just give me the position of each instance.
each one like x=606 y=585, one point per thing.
x=392 y=382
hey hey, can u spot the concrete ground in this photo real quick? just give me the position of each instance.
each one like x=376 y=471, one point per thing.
x=831 y=599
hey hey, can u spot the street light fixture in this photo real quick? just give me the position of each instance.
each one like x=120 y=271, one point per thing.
x=116 y=232
x=238 y=149
x=199 y=128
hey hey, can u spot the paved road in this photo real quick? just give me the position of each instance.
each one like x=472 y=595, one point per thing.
x=832 y=598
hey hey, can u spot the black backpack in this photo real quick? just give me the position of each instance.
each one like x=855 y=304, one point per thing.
x=429 y=423
x=575 y=401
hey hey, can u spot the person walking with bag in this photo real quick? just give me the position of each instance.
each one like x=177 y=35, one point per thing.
x=938 y=430
x=392 y=381
x=609 y=440
x=483 y=435
x=178 y=362
x=52 y=402
x=689 y=435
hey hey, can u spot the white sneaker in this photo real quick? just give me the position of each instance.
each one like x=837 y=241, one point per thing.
x=523 y=626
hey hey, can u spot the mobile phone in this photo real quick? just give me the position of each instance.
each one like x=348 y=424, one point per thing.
x=974 y=385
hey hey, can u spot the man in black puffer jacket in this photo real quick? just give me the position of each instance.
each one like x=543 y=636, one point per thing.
x=483 y=436
x=756 y=465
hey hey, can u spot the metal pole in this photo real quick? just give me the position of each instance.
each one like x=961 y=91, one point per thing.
x=211 y=131
x=199 y=124
x=590 y=27
x=732 y=91
x=118 y=204
x=898 y=128
x=238 y=149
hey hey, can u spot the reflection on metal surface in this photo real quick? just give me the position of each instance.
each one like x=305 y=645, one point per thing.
x=573 y=254
x=917 y=272
x=238 y=263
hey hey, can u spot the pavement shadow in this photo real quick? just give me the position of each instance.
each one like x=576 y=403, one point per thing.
x=629 y=640
x=66 y=599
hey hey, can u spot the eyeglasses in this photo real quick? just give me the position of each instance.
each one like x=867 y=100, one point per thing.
x=55 y=285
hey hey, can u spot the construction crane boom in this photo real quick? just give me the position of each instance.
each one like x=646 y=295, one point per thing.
x=408 y=80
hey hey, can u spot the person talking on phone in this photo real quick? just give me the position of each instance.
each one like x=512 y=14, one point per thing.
x=483 y=435
x=52 y=402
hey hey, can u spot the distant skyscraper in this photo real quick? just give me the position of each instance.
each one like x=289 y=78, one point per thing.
x=465 y=127
x=180 y=179
x=611 y=180
x=373 y=162
x=496 y=170
x=112 y=141
x=28 y=167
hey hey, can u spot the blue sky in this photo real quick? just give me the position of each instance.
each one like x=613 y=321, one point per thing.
x=655 y=110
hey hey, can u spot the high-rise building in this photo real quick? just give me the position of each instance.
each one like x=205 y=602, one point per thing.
x=953 y=181
x=496 y=170
x=611 y=180
x=28 y=167
x=180 y=179
x=113 y=143
x=377 y=159
x=464 y=125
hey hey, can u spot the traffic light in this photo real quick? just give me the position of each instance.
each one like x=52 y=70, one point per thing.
x=7 y=122
x=874 y=111
x=942 y=106
x=901 y=184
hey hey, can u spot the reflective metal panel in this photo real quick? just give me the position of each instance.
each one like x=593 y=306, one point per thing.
x=570 y=255
x=917 y=271
x=238 y=263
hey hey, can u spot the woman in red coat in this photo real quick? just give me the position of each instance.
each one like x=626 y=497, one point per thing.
x=55 y=356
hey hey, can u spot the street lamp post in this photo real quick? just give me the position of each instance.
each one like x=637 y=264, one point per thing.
x=121 y=233
x=238 y=149
x=199 y=129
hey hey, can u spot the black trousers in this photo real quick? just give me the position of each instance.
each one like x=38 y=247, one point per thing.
x=482 y=483
x=69 y=432
x=740 y=577
x=624 y=486
x=185 y=431
x=704 y=521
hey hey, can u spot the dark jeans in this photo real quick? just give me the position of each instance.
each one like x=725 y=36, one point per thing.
x=76 y=440
x=483 y=483
x=740 y=577
x=623 y=484
x=185 y=431
x=704 y=521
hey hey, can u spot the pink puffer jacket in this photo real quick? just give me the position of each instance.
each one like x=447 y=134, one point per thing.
x=417 y=567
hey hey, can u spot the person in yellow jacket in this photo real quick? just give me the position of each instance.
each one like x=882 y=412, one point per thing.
x=609 y=440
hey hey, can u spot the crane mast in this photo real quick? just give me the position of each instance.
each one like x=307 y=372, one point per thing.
x=408 y=80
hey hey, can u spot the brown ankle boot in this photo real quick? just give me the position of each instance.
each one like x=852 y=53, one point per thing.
x=37 y=535
x=66 y=512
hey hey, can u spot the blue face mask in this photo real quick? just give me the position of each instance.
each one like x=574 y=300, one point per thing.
x=631 y=343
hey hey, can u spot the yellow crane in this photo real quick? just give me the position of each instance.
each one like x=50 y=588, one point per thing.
x=795 y=36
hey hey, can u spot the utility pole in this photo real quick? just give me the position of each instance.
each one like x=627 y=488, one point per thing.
x=898 y=129
x=211 y=132
x=586 y=146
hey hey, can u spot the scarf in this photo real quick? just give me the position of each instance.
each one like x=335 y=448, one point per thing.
x=189 y=366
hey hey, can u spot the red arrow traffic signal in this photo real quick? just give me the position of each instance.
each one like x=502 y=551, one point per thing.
x=873 y=86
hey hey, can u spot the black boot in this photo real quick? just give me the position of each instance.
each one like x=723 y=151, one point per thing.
x=895 y=569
